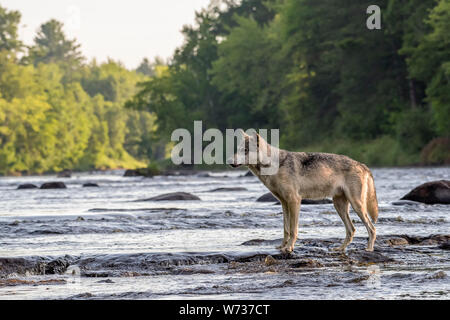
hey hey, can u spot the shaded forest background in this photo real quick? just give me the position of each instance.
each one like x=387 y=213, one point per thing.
x=308 y=67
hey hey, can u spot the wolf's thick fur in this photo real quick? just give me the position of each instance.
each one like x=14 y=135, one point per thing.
x=316 y=176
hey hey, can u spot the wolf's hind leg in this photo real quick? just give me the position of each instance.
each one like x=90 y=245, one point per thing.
x=341 y=205
x=286 y=230
x=294 y=212
x=363 y=215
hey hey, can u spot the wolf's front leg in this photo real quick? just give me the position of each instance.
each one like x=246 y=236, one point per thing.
x=286 y=229
x=294 y=211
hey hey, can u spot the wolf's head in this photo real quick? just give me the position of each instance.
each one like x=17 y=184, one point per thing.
x=252 y=150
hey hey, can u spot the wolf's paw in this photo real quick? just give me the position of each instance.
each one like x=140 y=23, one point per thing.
x=281 y=246
x=369 y=249
x=287 y=249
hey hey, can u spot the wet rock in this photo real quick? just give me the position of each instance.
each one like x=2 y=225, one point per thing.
x=82 y=296
x=90 y=185
x=269 y=197
x=181 y=173
x=445 y=246
x=64 y=174
x=21 y=282
x=142 y=172
x=365 y=257
x=174 y=196
x=27 y=186
x=358 y=279
x=57 y=266
x=437 y=275
x=204 y=175
x=308 y=263
x=397 y=241
x=269 y=261
x=433 y=192
x=428 y=240
x=192 y=271
x=258 y=242
x=228 y=189
x=404 y=203
x=16 y=265
x=80 y=219
x=53 y=185
x=105 y=281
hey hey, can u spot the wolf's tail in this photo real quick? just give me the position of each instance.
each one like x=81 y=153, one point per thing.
x=371 y=199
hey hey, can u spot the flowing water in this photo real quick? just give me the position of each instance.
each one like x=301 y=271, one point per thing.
x=99 y=243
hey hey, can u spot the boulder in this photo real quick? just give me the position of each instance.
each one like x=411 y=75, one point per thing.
x=90 y=185
x=174 y=196
x=27 y=186
x=269 y=197
x=433 y=192
x=142 y=172
x=53 y=185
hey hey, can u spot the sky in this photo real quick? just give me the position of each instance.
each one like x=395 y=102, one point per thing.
x=122 y=30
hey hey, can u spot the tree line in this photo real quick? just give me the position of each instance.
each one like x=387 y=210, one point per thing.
x=308 y=67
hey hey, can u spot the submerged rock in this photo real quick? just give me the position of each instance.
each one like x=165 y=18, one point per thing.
x=308 y=263
x=228 y=189
x=269 y=197
x=174 y=196
x=90 y=185
x=53 y=185
x=404 y=203
x=27 y=186
x=433 y=192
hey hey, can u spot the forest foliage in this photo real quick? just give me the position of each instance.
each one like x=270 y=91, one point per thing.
x=314 y=70
x=308 y=67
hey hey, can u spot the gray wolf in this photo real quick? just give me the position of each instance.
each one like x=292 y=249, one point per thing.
x=312 y=176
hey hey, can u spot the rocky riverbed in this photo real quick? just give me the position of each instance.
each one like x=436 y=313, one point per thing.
x=100 y=243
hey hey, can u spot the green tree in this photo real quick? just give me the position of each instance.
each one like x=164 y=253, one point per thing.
x=9 y=23
x=52 y=46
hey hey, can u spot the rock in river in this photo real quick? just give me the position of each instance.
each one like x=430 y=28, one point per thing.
x=90 y=185
x=173 y=196
x=430 y=193
x=269 y=197
x=228 y=189
x=53 y=185
x=27 y=186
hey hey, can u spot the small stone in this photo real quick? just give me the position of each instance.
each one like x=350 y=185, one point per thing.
x=269 y=261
